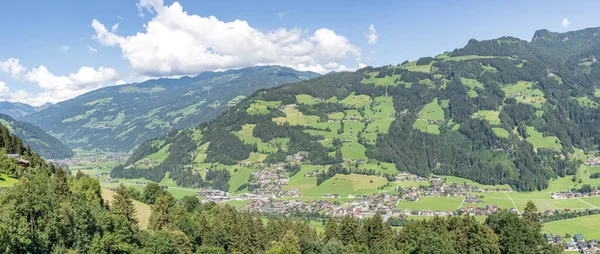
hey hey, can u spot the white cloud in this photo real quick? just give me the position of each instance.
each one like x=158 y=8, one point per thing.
x=55 y=88
x=177 y=43
x=565 y=22
x=281 y=15
x=64 y=48
x=372 y=35
x=6 y=95
x=13 y=67
x=114 y=28
x=92 y=50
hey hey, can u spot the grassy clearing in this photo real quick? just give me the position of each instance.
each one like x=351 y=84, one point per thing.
x=7 y=181
x=157 y=158
x=295 y=117
x=305 y=99
x=245 y=134
x=585 y=101
x=385 y=81
x=342 y=185
x=412 y=66
x=357 y=101
x=523 y=92
x=364 y=182
x=432 y=203
x=260 y=107
x=238 y=178
x=538 y=140
x=301 y=182
x=235 y=100
x=142 y=210
x=430 y=113
x=471 y=83
x=354 y=150
x=489 y=115
x=500 y=132
x=589 y=226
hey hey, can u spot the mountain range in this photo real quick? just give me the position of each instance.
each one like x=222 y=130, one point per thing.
x=41 y=142
x=18 y=110
x=500 y=111
x=118 y=118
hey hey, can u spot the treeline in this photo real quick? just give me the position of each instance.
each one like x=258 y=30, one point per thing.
x=565 y=215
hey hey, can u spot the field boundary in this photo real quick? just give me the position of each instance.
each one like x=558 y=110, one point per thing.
x=587 y=203
x=511 y=200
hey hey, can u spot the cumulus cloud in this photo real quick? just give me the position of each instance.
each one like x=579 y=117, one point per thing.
x=64 y=48
x=92 y=50
x=372 y=35
x=565 y=22
x=55 y=88
x=13 y=67
x=7 y=95
x=177 y=43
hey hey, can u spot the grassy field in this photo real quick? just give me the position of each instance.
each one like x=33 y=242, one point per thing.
x=586 y=102
x=142 y=210
x=589 y=226
x=432 y=203
x=523 y=92
x=7 y=181
x=157 y=158
x=245 y=134
x=430 y=112
x=357 y=101
x=260 y=107
x=489 y=115
x=412 y=66
x=538 y=140
x=295 y=117
x=500 y=132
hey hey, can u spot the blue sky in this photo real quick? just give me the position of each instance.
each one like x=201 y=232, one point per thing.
x=48 y=42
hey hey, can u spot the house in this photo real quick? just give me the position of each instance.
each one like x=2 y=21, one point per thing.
x=579 y=238
x=558 y=239
x=331 y=196
x=570 y=246
x=20 y=161
x=593 y=243
x=549 y=238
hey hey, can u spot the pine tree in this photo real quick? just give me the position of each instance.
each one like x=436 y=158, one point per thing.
x=61 y=184
x=123 y=204
x=160 y=217
x=348 y=230
x=331 y=230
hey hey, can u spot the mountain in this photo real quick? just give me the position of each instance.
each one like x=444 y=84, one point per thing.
x=16 y=109
x=40 y=141
x=501 y=111
x=120 y=117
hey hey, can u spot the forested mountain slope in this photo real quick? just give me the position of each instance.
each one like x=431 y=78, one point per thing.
x=40 y=141
x=502 y=111
x=120 y=117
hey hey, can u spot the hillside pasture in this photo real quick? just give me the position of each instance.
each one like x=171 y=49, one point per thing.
x=523 y=92
x=538 y=140
x=260 y=107
x=295 y=117
x=142 y=210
